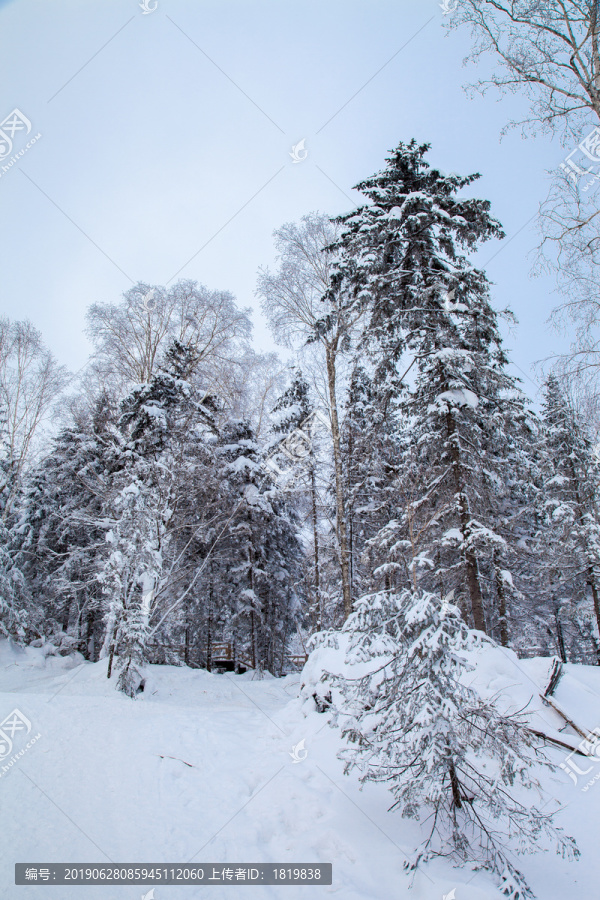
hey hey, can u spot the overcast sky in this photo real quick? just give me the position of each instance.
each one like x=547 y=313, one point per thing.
x=166 y=137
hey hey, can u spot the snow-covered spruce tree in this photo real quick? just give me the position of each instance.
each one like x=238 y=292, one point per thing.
x=370 y=449
x=465 y=466
x=569 y=535
x=466 y=454
x=63 y=528
x=159 y=433
x=451 y=760
x=132 y=567
x=15 y=600
x=259 y=557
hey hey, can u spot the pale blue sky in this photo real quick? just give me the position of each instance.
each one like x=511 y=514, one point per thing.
x=170 y=132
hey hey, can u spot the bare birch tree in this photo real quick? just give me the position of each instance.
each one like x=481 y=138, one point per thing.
x=546 y=48
x=30 y=382
x=302 y=307
x=131 y=336
x=550 y=51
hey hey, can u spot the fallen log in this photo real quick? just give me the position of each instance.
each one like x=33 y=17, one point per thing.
x=559 y=743
x=554 y=705
x=556 y=673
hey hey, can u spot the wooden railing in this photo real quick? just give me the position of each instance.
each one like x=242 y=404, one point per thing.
x=223 y=651
x=299 y=661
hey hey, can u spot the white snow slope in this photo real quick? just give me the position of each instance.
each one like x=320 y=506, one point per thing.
x=99 y=784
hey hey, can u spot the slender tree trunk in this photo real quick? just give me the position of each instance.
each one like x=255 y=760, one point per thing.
x=594 y=588
x=282 y=660
x=253 y=641
x=86 y=634
x=440 y=584
x=501 y=592
x=109 y=644
x=351 y=549
x=469 y=556
x=475 y=590
x=590 y=562
x=595 y=55
x=186 y=646
x=596 y=646
x=66 y=616
x=455 y=787
x=350 y=510
x=209 y=646
x=339 y=488
x=410 y=512
x=559 y=637
x=315 y=524
x=209 y=624
x=252 y=616
x=111 y=656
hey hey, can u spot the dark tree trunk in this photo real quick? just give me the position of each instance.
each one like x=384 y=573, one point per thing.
x=501 y=592
x=560 y=637
x=339 y=485
x=315 y=524
x=455 y=787
x=470 y=560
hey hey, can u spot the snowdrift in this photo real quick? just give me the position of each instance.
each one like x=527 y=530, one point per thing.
x=226 y=768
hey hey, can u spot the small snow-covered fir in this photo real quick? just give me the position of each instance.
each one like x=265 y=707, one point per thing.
x=451 y=760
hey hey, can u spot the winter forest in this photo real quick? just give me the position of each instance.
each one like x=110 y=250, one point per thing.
x=377 y=510
x=173 y=512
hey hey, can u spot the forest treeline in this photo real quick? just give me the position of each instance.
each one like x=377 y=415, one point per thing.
x=197 y=492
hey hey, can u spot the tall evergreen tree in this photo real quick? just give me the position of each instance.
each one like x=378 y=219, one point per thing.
x=63 y=529
x=161 y=428
x=569 y=534
x=467 y=432
x=262 y=554
x=370 y=448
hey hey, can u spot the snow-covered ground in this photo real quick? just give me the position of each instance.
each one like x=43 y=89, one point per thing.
x=199 y=768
